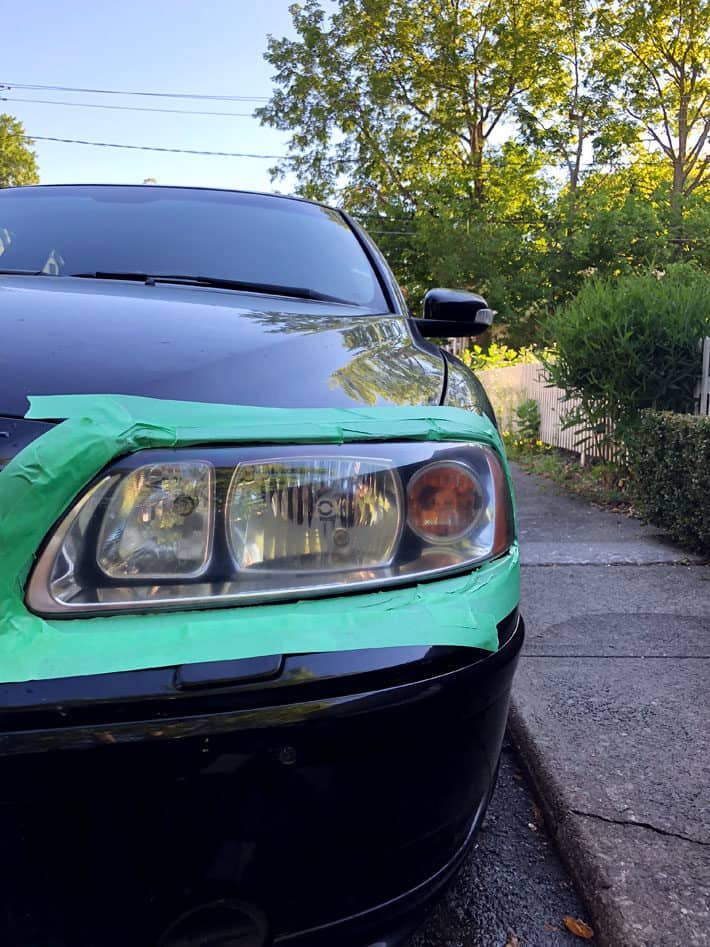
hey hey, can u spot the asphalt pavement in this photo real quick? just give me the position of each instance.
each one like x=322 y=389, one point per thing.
x=512 y=890
x=610 y=712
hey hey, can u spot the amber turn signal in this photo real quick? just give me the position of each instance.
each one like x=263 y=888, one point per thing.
x=444 y=501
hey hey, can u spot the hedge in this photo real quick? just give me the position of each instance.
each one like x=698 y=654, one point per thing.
x=630 y=343
x=670 y=464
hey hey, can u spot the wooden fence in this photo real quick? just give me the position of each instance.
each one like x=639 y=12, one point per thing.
x=509 y=387
x=702 y=391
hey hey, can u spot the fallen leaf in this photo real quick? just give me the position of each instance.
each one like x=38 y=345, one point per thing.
x=578 y=928
x=513 y=941
x=518 y=776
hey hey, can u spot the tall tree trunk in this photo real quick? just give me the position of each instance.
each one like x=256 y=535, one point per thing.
x=574 y=166
x=577 y=166
x=477 y=161
x=679 y=175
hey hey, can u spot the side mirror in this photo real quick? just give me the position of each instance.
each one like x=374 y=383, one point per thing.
x=451 y=312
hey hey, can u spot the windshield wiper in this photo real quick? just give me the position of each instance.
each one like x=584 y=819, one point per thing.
x=24 y=273
x=270 y=289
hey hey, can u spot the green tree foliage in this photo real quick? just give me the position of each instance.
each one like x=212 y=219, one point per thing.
x=18 y=163
x=577 y=116
x=403 y=96
x=655 y=62
x=654 y=59
x=512 y=148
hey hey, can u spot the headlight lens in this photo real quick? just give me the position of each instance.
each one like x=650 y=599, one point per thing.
x=444 y=501
x=158 y=523
x=220 y=526
x=313 y=514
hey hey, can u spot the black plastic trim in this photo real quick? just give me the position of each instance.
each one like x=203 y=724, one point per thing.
x=171 y=713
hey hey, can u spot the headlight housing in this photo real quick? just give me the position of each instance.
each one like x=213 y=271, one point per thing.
x=204 y=527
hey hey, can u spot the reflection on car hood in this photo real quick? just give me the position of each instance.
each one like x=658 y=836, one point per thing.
x=63 y=335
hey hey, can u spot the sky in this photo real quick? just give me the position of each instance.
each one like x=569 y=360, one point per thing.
x=211 y=47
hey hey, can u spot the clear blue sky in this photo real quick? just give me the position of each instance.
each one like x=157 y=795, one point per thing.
x=213 y=47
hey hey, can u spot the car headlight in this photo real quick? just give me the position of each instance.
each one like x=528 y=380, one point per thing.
x=204 y=527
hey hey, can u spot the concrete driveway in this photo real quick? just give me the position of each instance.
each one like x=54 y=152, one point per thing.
x=611 y=713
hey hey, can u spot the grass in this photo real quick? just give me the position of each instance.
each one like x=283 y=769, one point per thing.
x=602 y=483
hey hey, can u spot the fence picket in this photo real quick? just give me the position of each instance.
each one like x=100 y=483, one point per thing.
x=509 y=387
x=702 y=391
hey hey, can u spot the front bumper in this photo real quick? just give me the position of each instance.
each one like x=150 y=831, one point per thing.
x=337 y=795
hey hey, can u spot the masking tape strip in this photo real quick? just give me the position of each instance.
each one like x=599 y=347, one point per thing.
x=40 y=483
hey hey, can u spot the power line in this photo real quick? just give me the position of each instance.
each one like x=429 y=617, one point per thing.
x=127 y=108
x=181 y=151
x=159 y=95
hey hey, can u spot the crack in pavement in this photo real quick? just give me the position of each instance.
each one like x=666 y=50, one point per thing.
x=641 y=825
x=633 y=657
x=615 y=564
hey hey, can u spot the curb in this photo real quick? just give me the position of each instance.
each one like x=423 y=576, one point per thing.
x=573 y=840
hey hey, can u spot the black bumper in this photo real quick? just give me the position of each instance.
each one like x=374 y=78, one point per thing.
x=335 y=804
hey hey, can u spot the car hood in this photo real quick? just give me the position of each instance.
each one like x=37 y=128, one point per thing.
x=64 y=335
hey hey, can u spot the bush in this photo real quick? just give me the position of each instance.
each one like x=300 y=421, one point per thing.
x=670 y=467
x=630 y=343
x=527 y=420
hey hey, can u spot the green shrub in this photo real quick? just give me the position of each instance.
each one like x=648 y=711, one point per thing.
x=527 y=420
x=670 y=467
x=630 y=343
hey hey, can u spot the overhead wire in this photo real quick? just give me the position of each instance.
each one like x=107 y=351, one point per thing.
x=8 y=87
x=161 y=95
x=122 y=108
x=182 y=151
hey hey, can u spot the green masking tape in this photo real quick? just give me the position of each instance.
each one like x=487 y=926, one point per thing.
x=41 y=482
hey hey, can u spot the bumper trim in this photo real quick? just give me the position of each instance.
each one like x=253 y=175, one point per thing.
x=280 y=713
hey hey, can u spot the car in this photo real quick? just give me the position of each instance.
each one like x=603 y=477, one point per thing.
x=254 y=531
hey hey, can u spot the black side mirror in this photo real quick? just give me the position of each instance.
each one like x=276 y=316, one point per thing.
x=451 y=312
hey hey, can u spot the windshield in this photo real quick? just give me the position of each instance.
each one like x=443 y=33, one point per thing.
x=249 y=238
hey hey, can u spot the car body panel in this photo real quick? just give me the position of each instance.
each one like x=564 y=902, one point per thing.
x=314 y=808
x=202 y=344
x=464 y=390
x=16 y=434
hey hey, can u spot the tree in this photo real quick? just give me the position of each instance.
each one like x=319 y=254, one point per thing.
x=563 y=124
x=400 y=95
x=656 y=57
x=497 y=249
x=18 y=163
x=444 y=126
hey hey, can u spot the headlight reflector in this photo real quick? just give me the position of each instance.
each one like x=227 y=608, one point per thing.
x=158 y=523
x=203 y=527
x=313 y=514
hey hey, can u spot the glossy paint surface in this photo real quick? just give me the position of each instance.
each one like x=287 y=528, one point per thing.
x=314 y=800
x=330 y=794
x=64 y=335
